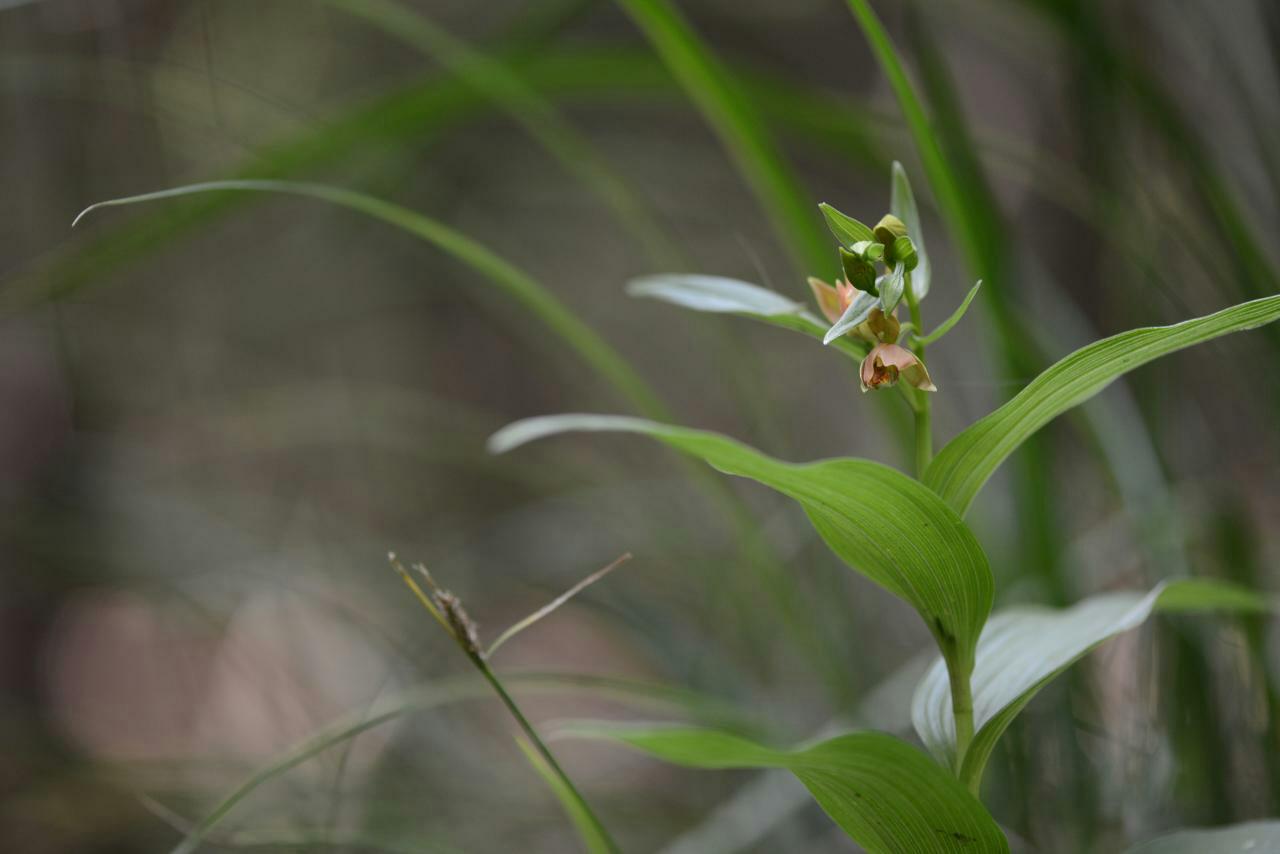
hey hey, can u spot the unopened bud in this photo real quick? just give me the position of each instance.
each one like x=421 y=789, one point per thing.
x=859 y=272
x=904 y=251
x=889 y=229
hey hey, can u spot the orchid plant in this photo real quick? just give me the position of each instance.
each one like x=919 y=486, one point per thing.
x=909 y=536
x=906 y=534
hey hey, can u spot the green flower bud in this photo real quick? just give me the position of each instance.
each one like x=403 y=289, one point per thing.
x=889 y=229
x=869 y=250
x=905 y=251
x=859 y=272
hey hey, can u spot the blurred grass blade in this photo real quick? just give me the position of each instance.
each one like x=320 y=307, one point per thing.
x=945 y=187
x=902 y=204
x=951 y=321
x=888 y=796
x=504 y=87
x=882 y=523
x=299 y=840
x=539 y=302
x=444 y=692
x=553 y=605
x=1254 y=837
x=588 y=829
x=721 y=295
x=963 y=466
x=741 y=131
x=1024 y=648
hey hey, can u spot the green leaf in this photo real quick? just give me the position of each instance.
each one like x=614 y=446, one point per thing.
x=1254 y=837
x=963 y=466
x=441 y=692
x=1022 y=649
x=713 y=293
x=887 y=795
x=891 y=287
x=857 y=312
x=858 y=270
x=588 y=828
x=719 y=295
x=733 y=117
x=951 y=321
x=845 y=228
x=594 y=351
x=902 y=204
x=510 y=91
x=879 y=521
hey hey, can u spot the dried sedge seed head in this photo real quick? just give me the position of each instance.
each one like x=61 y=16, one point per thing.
x=464 y=628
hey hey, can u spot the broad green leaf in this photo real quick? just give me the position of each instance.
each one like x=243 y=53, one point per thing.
x=718 y=294
x=593 y=836
x=887 y=795
x=1022 y=649
x=845 y=228
x=1254 y=837
x=963 y=466
x=882 y=523
x=902 y=204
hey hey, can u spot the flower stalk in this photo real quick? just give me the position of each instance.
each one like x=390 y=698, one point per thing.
x=923 y=413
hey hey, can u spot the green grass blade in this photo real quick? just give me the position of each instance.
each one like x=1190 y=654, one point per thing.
x=507 y=89
x=1023 y=649
x=880 y=522
x=734 y=119
x=968 y=460
x=539 y=302
x=340 y=731
x=444 y=692
x=945 y=188
x=586 y=825
x=885 y=794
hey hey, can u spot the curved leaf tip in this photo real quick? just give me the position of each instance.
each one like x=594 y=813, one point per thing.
x=528 y=430
x=713 y=293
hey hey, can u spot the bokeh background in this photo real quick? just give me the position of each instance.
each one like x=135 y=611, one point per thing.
x=219 y=413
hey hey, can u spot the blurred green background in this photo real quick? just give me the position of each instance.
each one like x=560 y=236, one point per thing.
x=220 y=412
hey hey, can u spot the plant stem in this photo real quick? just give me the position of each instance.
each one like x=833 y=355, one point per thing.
x=541 y=747
x=923 y=416
x=439 y=609
x=962 y=709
